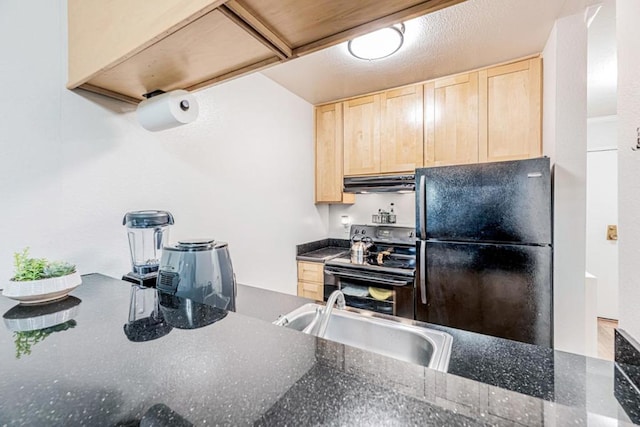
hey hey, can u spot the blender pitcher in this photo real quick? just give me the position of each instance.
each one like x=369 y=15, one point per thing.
x=147 y=231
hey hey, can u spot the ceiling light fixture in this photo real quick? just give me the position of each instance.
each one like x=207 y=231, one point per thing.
x=378 y=44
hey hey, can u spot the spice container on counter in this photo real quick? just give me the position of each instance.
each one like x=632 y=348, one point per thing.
x=384 y=217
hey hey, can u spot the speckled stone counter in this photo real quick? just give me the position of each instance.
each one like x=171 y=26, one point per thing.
x=242 y=370
x=322 y=250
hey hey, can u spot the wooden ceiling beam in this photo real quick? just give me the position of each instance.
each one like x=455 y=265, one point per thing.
x=254 y=26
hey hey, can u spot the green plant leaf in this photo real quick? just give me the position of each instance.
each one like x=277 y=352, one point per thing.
x=24 y=340
x=27 y=268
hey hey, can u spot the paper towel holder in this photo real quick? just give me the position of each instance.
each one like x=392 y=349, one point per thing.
x=184 y=104
x=153 y=93
x=167 y=109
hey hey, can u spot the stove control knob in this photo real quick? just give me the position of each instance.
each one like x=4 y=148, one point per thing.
x=356 y=231
x=411 y=234
x=364 y=231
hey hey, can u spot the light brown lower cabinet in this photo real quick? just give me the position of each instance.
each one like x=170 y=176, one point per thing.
x=311 y=280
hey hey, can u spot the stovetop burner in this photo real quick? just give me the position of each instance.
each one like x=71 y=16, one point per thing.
x=392 y=256
x=403 y=267
x=393 y=263
x=393 y=250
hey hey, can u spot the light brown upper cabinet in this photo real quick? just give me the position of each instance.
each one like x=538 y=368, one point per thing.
x=362 y=136
x=401 y=134
x=451 y=120
x=510 y=111
x=383 y=133
x=125 y=49
x=493 y=114
x=329 y=149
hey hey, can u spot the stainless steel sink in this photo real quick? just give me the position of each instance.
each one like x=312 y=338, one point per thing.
x=392 y=338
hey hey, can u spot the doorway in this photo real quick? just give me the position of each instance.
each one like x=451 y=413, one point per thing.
x=602 y=179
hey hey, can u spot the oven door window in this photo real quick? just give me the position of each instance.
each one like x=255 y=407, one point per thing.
x=363 y=295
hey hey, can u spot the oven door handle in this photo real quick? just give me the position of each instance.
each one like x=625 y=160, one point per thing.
x=370 y=279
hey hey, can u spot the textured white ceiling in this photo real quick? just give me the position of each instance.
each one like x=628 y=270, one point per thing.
x=602 y=77
x=469 y=35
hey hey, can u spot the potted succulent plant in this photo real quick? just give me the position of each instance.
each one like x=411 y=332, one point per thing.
x=39 y=280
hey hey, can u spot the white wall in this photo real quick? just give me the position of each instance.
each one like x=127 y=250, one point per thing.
x=368 y=204
x=628 y=39
x=565 y=141
x=549 y=95
x=602 y=133
x=72 y=163
x=602 y=210
x=602 y=73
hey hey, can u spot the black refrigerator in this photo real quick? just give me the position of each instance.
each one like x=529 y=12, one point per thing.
x=484 y=249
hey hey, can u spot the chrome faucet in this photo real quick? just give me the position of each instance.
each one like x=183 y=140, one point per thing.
x=335 y=297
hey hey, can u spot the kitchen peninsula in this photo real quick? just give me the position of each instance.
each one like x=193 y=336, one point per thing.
x=242 y=370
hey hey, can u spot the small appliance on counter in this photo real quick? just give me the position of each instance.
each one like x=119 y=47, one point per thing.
x=199 y=270
x=378 y=273
x=148 y=232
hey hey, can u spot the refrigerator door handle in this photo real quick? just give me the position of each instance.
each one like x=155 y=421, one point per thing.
x=422 y=200
x=423 y=272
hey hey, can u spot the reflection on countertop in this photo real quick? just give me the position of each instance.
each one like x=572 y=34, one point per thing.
x=32 y=323
x=242 y=370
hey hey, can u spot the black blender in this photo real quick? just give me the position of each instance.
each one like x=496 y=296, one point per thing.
x=147 y=231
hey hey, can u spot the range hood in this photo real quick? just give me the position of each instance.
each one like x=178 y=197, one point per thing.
x=380 y=184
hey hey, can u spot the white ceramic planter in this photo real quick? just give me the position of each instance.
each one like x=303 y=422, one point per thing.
x=43 y=321
x=43 y=290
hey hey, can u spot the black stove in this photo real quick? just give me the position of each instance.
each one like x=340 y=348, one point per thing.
x=385 y=281
x=405 y=267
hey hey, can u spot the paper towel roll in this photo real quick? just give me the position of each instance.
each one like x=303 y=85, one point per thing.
x=168 y=110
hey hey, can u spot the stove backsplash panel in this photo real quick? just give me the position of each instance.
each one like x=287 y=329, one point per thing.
x=367 y=205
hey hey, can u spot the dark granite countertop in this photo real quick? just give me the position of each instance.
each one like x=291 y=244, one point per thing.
x=322 y=255
x=322 y=250
x=243 y=370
